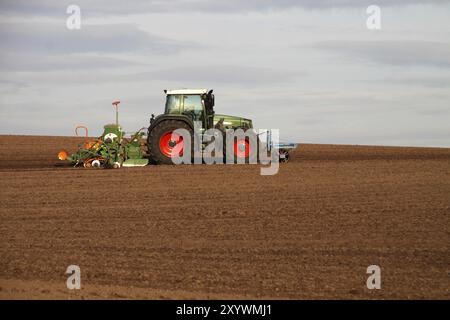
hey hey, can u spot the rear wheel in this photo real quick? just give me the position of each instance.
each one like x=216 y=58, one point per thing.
x=242 y=149
x=164 y=144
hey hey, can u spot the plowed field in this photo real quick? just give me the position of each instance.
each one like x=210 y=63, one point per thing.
x=225 y=231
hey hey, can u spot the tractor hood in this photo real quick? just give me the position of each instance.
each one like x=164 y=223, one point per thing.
x=231 y=122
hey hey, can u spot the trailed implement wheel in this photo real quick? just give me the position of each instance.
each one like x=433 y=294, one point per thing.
x=96 y=164
x=93 y=163
x=284 y=156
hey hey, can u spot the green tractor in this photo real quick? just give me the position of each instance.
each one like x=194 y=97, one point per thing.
x=183 y=107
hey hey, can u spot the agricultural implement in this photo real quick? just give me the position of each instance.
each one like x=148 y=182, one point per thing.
x=183 y=108
x=110 y=150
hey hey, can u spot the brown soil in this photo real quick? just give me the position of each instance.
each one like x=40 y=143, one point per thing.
x=163 y=232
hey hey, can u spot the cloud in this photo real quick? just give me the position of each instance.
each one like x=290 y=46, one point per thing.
x=48 y=46
x=350 y=91
x=117 y=7
x=45 y=63
x=400 y=53
x=109 y=38
x=438 y=82
x=223 y=74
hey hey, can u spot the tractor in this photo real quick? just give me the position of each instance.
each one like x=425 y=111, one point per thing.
x=182 y=108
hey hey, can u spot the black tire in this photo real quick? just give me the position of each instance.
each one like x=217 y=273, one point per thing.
x=286 y=157
x=155 y=153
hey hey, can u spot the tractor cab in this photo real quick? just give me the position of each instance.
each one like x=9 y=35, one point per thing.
x=197 y=104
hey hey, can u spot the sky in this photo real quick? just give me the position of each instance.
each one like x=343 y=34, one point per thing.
x=310 y=68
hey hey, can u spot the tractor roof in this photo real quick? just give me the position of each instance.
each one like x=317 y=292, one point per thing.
x=187 y=91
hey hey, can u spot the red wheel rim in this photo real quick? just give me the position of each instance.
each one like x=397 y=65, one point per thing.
x=242 y=148
x=171 y=144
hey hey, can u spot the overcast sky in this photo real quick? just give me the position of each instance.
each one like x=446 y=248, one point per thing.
x=309 y=68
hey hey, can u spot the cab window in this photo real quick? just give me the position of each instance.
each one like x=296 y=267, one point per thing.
x=173 y=104
x=193 y=104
